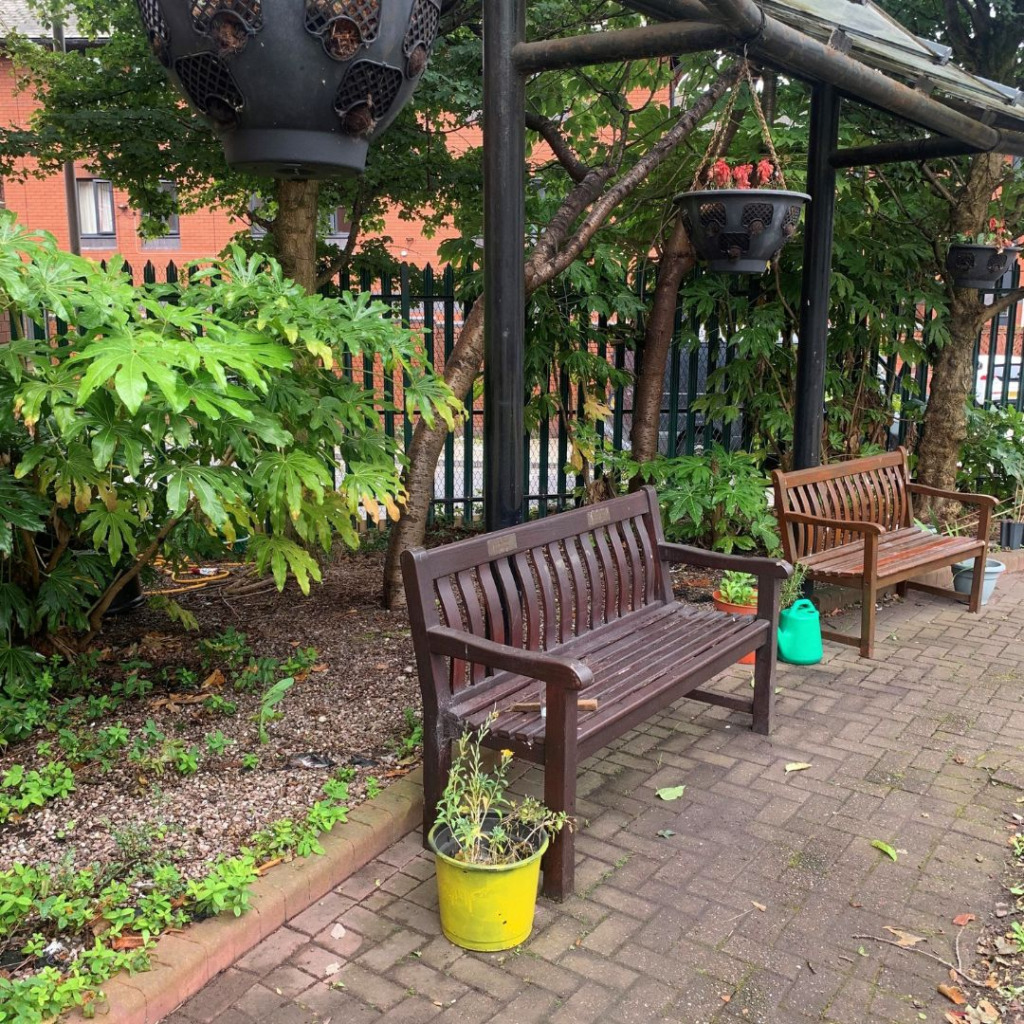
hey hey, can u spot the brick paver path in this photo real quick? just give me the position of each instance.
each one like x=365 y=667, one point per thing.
x=749 y=911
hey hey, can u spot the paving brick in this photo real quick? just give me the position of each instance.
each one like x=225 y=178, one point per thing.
x=287 y=980
x=665 y=930
x=219 y=994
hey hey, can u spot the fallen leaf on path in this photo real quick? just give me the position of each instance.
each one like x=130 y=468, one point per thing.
x=670 y=792
x=904 y=939
x=338 y=931
x=665 y=833
x=962 y=920
x=953 y=994
x=985 y=1013
x=885 y=848
x=759 y=906
x=797 y=766
x=332 y=968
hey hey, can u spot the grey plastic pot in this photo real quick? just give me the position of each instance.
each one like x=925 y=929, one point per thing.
x=1011 y=534
x=963 y=577
x=739 y=230
x=979 y=266
x=294 y=88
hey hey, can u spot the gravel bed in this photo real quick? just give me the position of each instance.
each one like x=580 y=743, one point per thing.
x=349 y=708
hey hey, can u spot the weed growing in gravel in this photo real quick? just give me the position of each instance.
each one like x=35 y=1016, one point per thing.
x=21 y=790
x=411 y=738
x=268 y=707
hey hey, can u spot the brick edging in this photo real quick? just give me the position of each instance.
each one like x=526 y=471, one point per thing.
x=184 y=962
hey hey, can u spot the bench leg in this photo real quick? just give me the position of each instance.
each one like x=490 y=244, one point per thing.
x=764 y=689
x=978 y=582
x=901 y=588
x=559 y=862
x=437 y=761
x=867 y=621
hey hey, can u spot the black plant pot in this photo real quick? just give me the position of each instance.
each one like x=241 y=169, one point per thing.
x=1011 y=534
x=294 y=88
x=739 y=230
x=979 y=266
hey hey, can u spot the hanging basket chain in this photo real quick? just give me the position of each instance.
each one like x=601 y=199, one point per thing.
x=720 y=130
x=765 y=131
x=712 y=151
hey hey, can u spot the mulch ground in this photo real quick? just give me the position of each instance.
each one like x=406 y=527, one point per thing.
x=350 y=708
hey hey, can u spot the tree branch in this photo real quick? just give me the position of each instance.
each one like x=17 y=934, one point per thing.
x=603 y=207
x=549 y=131
x=1001 y=305
x=345 y=256
x=936 y=183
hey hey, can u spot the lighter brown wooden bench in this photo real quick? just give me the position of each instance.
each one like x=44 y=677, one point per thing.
x=852 y=524
x=577 y=605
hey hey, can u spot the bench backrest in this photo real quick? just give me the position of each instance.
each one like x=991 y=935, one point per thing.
x=538 y=585
x=872 y=489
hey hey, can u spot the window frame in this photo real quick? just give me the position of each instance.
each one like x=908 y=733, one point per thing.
x=97 y=239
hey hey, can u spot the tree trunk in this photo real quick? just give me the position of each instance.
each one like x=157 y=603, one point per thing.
x=676 y=260
x=945 y=421
x=427 y=442
x=556 y=249
x=295 y=230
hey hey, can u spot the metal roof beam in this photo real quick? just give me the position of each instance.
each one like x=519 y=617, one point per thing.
x=894 y=152
x=665 y=40
x=769 y=38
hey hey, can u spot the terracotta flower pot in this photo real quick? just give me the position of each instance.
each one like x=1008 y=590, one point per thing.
x=737 y=609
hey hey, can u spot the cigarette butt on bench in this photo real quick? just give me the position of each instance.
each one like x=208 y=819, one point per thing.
x=588 y=704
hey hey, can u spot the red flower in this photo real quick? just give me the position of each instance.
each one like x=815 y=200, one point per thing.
x=993 y=224
x=741 y=175
x=720 y=173
x=765 y=172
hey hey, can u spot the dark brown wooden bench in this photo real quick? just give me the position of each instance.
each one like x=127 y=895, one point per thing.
x=575 y=606
x=852 y=524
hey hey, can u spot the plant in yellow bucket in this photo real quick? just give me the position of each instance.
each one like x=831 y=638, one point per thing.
x=488 y=847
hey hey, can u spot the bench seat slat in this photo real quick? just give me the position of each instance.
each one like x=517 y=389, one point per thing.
x=897 y=551
x=621 y=688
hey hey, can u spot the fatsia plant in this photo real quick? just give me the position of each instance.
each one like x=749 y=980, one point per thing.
x=134 y=421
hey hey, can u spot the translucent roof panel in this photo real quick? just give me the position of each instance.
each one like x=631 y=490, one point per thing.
x=882 y=42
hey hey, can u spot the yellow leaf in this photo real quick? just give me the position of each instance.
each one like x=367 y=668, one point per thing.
x=904 y=939
x=576 y=459
x=393 y=511
x=83 y=499
x=369 y=503
x=797 y=766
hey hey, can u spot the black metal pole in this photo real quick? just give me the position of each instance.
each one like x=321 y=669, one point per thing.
x=814 y=290
x=894 y=152
x=504 y=158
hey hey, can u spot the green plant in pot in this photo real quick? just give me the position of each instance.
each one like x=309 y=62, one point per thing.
x=488 y=847
x=737 y=594
x=799 y=623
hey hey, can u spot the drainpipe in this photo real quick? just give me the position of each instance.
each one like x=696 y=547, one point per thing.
x=70 y=184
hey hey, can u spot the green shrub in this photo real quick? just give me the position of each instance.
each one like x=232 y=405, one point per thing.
x=164 y=412
x=992 y=457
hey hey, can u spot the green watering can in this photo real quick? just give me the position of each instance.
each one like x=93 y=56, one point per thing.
x=800 y=634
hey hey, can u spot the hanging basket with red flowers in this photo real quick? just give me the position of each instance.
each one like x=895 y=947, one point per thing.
x=740 y=220
x=980 y=260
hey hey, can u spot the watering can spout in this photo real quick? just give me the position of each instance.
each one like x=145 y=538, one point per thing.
x=800 y=634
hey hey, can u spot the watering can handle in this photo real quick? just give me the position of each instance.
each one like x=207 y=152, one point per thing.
x=804 y=604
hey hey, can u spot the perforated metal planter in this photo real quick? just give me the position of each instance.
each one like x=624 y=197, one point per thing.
x=294 y=88
x=739 y=231
x=979 y=266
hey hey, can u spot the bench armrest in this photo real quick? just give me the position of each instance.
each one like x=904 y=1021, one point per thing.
x=851 y=525
x=547 y=668
x=767 y=568
x=963 y=496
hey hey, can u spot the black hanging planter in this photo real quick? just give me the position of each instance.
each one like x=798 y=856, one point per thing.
x=979 y=266
x=294 y=88
x=739 y=230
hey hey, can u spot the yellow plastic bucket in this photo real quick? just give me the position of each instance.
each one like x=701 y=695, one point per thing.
x=485 y=907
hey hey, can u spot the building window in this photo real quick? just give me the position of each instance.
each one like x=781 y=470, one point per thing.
x=96 y=213
x=338 y=227
x=171 y=237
